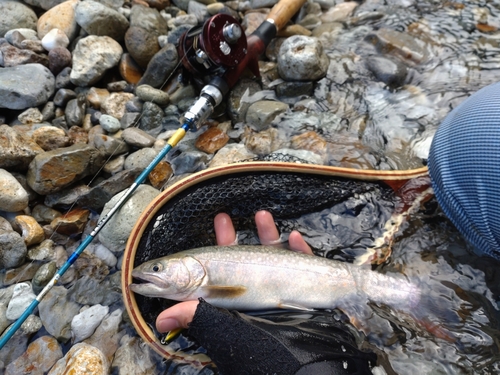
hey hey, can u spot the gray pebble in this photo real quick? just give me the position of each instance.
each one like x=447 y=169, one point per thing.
x=12 y=249
x=140 y=159
x=129 y=119
x=109 y=123
x=138 y=138
x=150 y=94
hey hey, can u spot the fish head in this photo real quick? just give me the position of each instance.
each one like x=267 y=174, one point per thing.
x=172 y=277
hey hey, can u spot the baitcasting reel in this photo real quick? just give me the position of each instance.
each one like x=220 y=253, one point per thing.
x=220 y=44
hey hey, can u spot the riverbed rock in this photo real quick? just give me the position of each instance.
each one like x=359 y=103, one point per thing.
x=14 y=94
x=13 y=250
x=98 y=19
x=21 y=299
x=62 y=17
x=57 y=311
x=92 y=57
x=38 y=358
x=160 y=67
x=52 y=171
x=140 y=159
x=115 y=234
x=137 y=138
x=134 y=357
x=31 y=231
x=55 y=38
x=84 y=324
x=108 y=334
x=50 y=138
x=16 y=15
x=13 y=197
x=82 y=359
x=301 y=58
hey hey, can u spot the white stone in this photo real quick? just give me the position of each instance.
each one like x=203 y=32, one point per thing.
x=13 y=197
x=104 y=254
x=85 y=323
x=55 y=38
x=21 y=299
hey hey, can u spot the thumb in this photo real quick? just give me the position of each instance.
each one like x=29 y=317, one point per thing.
x=177 y=316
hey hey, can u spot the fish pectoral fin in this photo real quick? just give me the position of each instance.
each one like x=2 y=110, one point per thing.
x=224 y=291
x=291 y=306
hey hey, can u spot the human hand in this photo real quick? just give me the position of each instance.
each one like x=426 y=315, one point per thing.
x=181 y=314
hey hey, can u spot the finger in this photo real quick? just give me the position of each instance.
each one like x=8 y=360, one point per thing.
x=268 y=233
x=224 y=230
x=177 y=316
x=297 y=243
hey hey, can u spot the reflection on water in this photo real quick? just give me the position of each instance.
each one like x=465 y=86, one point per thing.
x=387 y=127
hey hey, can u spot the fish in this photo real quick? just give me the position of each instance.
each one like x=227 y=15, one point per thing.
x=250 y=278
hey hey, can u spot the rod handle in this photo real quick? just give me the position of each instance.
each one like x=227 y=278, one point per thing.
x=284 y=10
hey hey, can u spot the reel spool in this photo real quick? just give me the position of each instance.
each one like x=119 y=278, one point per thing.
x=220 y=44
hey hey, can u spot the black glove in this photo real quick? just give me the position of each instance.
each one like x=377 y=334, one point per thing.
x=240 y=344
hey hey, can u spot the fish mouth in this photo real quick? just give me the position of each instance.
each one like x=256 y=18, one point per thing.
x=147 y=284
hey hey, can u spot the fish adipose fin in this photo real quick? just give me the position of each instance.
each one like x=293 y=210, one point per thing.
x=223 y=291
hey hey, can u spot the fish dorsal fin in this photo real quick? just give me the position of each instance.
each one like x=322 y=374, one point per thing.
x=223 y=291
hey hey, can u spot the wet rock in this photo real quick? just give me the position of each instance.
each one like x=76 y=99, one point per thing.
x=14 y=94
x=52 y=171
x=44 y=214
x=98 y=19
x=32 y=232
x=50 y=138
x=55 y=38
x=100 y=194
x=310 y=141
x=109 y=145
x=92 y=57
x=107 y=336
x=340 y=12
x=189 y=162
x=134 y=357
x=89 y=291
x=13 y=197
x=302 y=58
x=78 y=134
x=62 y=17
x=294 y=89
x=148 y=93
x=399 y=44
x=262 y=142
x=231 y=153
x=106 y=256
x=44 y=251
x=260 y=114
x=17 y=345
x=16 y=15
x=141 y=44
x=43 y=275
x=23 y=273
x=22 y=297
x=73 y=222
x=85 y=323
x=211 y=140
x=115 y=103
x=160 y=175
x=16 y=150
x=59 y=58
x=129 y=70
x=390 y=71
x=38 y=358
x=238 y=102
x=114 y=235
x=56 y=312
x=109 y=123
x=160 y=67
x=81 y=359
x=13 y=250
x=137 y=138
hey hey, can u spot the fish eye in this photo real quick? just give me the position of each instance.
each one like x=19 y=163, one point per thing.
x=156 y=267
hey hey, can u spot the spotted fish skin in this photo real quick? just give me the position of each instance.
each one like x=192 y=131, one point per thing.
x=262 y=277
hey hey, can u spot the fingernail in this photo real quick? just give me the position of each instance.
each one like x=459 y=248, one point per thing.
x=167 y=324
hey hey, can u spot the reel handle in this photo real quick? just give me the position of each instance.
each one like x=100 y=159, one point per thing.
x=283 y=11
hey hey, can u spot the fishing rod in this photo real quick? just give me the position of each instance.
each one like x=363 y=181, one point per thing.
x=218 y=51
